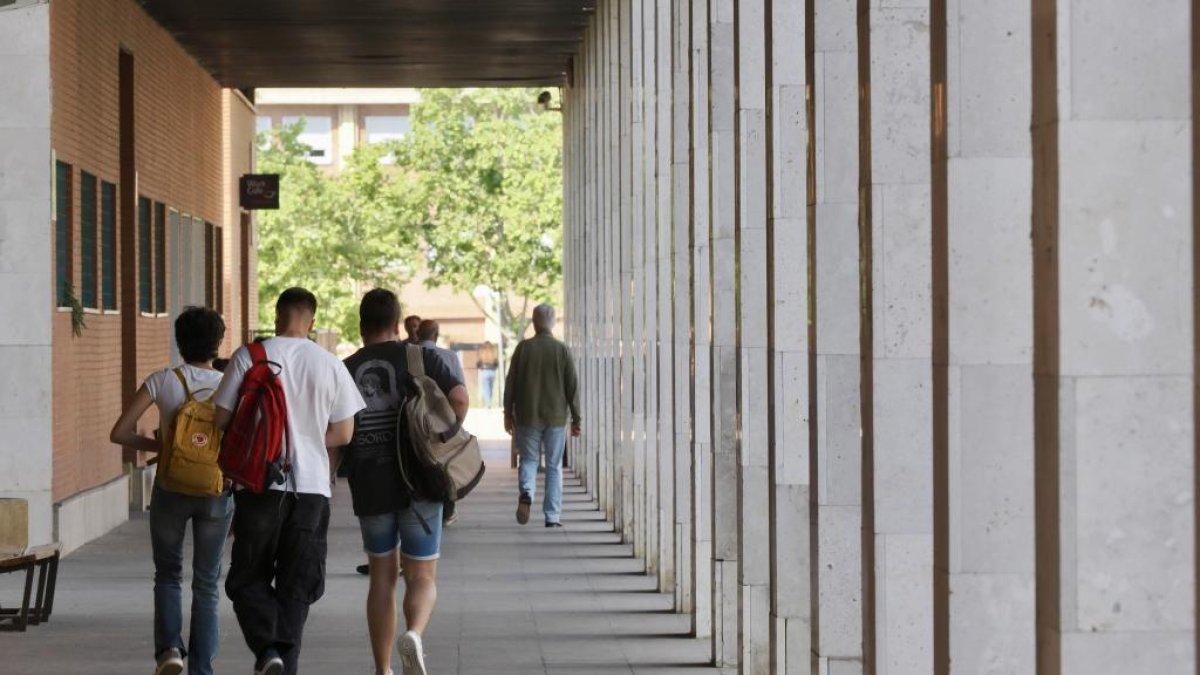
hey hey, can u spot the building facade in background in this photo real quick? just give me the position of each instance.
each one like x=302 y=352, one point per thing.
x=118 y=207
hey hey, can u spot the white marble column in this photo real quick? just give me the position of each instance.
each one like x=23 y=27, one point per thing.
x=703 y=563
x=27 y=274
x=681 y=294
x=790 y=261
x=1116 y=341
x=638 y=310
x=663 y=516
x=900 y=458
x=723 y=155
x=837 y=518
x=984 y=590
x=754 y=396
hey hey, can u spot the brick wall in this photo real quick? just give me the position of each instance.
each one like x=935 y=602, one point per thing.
x=180 y=130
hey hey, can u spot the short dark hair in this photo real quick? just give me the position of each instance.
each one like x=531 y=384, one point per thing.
x=296 y=298
x=428 y=330
x=198 y=334
x=378 y=311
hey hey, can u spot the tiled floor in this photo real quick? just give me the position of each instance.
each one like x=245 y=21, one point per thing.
x=513 y=601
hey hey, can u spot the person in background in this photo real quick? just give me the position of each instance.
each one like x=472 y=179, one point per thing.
x=278 y=563
x=198 y=334
x=412 y=323
x=487 y=361
x=540 y=391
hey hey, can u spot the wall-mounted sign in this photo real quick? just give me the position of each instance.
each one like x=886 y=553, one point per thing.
x=259 y=191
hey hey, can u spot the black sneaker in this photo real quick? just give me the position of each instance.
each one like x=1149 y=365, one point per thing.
x=550 y=524
x=523 y=504
x=269 y=664
x=363 y=569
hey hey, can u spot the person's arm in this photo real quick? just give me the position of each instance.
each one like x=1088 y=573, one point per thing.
x=510 y=389
x=460 y=401
x=226 y=396
x=222 y=418
x=339 y=434
x=571 y=389
x=125 y=432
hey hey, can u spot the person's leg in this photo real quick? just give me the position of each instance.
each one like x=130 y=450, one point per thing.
x=256 y=523
x=210 y=527
x=554 y=440
x=300 y=571
x=168 y=524
x=381 y=542
x=529 y=442
x=420 y=551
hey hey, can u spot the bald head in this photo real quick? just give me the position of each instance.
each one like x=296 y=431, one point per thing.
x=543 y=318
x=428 y=330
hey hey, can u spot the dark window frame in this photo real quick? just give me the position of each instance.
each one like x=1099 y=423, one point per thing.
x=160 y=258
x=64 y=233
x=108 y=246
x=145 y=214
x=89 y=240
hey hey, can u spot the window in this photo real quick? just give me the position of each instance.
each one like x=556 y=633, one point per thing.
x=262 y=126
x=108 y=245
x=160 y=258
x=386 y=128
x=145 y=257
x=317 y=135
x=63 y=232
x=87 y=226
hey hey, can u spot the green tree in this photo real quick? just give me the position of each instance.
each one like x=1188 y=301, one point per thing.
x=336 y=235
x=484 y=184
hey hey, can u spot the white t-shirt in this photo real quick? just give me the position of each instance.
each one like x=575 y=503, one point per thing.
x=319 y=391
x=167 y=393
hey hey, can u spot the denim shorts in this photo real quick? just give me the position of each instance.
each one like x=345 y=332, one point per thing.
x=384 y=533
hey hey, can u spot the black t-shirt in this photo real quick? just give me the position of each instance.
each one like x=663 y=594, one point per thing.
x=381 y=373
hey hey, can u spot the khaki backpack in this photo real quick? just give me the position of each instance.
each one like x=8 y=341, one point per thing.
x=436 y=435
x=189 y=461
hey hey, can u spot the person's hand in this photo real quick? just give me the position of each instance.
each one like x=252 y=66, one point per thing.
x=576 y=430
x=508 y=424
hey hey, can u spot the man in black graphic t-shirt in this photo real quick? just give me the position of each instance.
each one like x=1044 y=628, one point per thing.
x=394 y=520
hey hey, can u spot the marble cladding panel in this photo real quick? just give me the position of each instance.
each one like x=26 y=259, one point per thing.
x=839 y=581
x=989 y=93
x=791 y=419
x=904 y=612
x=839 y=429
x=992 y=624
x=900 y=93
x=903 y=456
x=1126 y=297
x=991 y=259
x=1134 y=454
x=837 y=279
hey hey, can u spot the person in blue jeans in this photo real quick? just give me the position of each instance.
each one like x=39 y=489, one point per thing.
x=198 y=335
x=539 y=394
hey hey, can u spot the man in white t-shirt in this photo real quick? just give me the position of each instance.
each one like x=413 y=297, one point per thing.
x=278 y=562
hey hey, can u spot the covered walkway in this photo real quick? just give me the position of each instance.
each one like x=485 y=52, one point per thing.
x=513 y=601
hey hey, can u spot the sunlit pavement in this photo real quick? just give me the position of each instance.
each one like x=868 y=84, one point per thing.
x=513 y=600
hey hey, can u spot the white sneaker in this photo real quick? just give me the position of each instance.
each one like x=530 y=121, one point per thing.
x=412 y=654
x=170 y=662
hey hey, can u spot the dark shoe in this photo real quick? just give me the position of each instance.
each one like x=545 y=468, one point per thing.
x=363 y=569
x=523 y=505
x=269 y=664
x=449 y=514
x=549 y=524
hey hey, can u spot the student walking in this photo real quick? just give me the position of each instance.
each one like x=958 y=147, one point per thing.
x=396 y=521
x=278 y=562
x=487 y=361
x=540 y=391
x=198 y=334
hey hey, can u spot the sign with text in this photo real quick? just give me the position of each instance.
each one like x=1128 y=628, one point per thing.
x=259 y=191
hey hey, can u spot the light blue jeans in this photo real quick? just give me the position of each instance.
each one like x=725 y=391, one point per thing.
x=169 y=516
x=531 y=443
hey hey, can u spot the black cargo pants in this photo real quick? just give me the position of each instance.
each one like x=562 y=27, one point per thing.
x=277 y=568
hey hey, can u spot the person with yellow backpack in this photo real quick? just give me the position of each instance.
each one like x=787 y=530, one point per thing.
x=188 y=486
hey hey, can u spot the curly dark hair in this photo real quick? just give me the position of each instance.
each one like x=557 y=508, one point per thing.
x=198 y=334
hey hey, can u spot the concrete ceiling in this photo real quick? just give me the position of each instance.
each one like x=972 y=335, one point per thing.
x=377 y=43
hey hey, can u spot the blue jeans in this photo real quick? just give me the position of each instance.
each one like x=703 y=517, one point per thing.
x=531 y=443
x=384 y=533
x=169 y=515
x=487 y=385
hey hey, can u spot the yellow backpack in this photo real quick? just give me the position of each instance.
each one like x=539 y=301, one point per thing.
x=189 y=460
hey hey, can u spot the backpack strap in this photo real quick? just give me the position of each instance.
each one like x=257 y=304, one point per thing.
x=416 y=360
x=183 y=380
x=258 y=353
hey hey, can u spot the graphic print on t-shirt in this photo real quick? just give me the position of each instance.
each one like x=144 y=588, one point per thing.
x=376 y=430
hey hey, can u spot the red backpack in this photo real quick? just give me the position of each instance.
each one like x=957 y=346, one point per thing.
x=253 y=448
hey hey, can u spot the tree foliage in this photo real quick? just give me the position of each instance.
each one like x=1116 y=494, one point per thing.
x=485 y=187
x=335 y=235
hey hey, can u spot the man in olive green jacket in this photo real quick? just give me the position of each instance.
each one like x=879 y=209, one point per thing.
x=540 y=391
